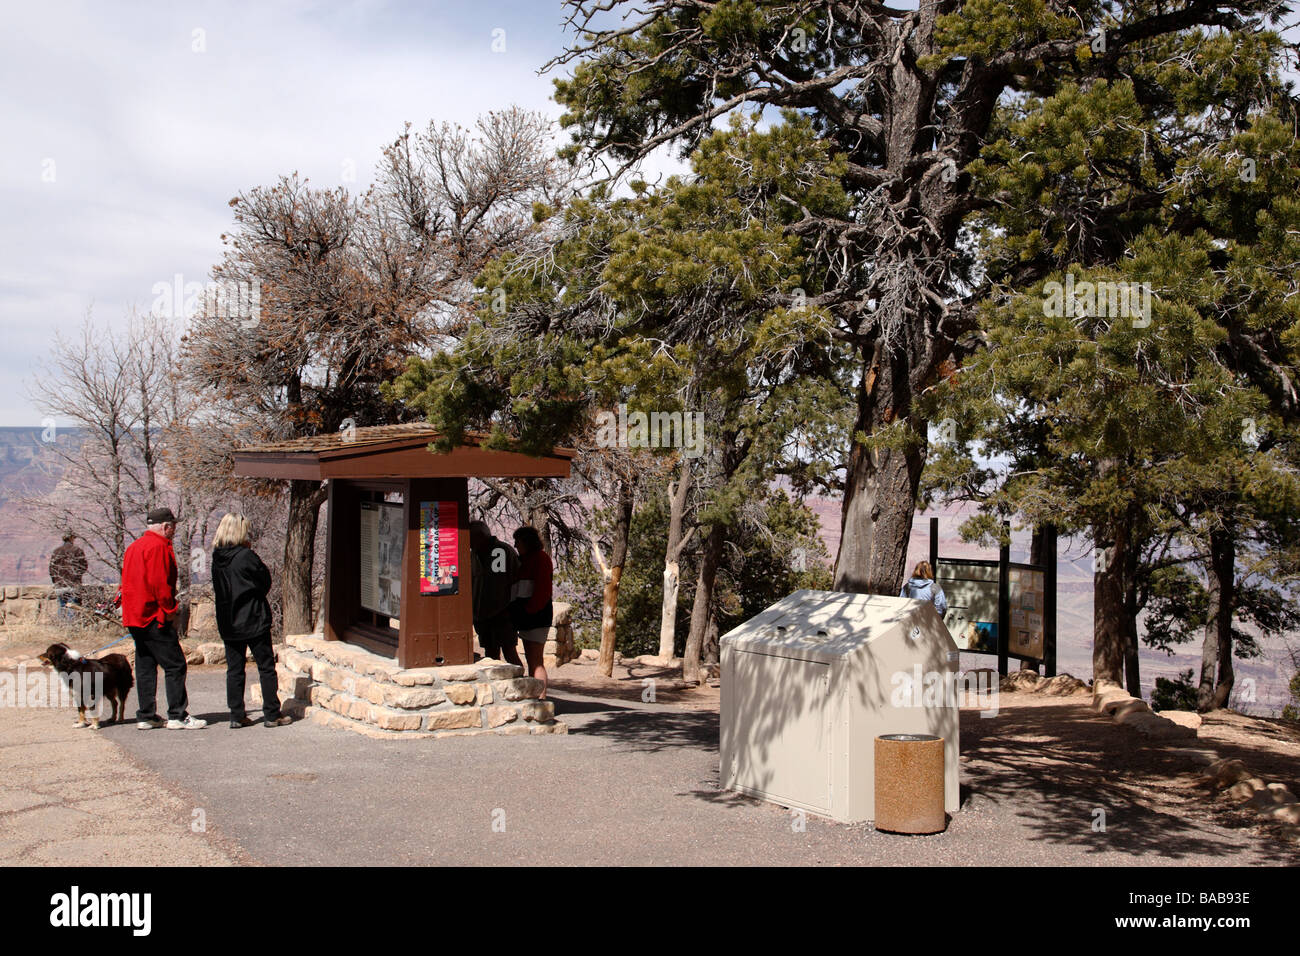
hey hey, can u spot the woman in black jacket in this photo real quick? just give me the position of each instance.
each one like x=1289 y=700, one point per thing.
x=240 y=582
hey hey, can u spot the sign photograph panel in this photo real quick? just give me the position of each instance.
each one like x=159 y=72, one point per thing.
x=1026 y=589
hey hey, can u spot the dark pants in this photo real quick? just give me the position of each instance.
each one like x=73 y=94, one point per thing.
x=236 y=660
x=495 y=635
x=158 y=646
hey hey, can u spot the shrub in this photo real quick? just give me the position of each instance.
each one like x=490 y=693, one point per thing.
x=1176 y=694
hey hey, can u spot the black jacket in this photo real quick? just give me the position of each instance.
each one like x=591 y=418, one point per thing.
x=240 y=582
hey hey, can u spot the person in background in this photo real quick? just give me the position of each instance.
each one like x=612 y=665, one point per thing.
x=530 y=605
x=495 y=567
x=148 y=598
x=924 y=587
x=67 y=568
x=240 y=583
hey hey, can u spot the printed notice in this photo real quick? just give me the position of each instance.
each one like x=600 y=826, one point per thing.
x=439 y=547
x=382 y=543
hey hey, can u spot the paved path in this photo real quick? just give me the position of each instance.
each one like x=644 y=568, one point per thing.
x=70 y=796
x=632 y=783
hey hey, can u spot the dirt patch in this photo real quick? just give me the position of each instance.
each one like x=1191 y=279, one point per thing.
x=1148 y=789
x=1270 y=747
x=631 y=681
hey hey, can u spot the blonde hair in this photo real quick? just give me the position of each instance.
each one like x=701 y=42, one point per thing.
x=922 y=570
x=232 y=530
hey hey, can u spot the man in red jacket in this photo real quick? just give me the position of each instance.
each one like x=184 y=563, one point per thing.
x=148 y=609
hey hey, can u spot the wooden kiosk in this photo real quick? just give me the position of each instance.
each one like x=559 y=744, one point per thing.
x=397 y=561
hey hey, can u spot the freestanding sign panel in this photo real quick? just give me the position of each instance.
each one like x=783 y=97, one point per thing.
x=972 y=591
x=1027 y=593
x=1000 y=607
x=439 y=547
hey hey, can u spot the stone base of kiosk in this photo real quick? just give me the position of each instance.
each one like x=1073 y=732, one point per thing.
x=337 y=684
x=560 y=647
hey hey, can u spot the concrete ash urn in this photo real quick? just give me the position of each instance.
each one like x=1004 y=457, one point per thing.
x=909 y=783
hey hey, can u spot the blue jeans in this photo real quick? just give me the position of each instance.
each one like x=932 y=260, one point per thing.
x=67 y=596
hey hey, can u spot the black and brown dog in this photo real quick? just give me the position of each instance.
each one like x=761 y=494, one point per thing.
x=80 y=675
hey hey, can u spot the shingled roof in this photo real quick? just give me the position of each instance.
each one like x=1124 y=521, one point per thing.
x=392 y=451
x=368 y=435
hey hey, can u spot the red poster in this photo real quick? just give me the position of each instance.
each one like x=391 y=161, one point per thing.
x=439 y=547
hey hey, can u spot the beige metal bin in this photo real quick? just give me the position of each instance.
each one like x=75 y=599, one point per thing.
x=808 y=685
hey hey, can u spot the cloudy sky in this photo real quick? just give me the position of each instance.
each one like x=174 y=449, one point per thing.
x=129 y=127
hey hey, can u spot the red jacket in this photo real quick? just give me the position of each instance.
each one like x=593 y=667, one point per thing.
x=148 y=580
x=530 y=605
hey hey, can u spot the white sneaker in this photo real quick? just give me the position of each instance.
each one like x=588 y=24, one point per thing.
x=189 y=723
x=152 y=724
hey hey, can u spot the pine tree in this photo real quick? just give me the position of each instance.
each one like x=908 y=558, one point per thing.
x=1174 y=424
x=909 y=97
x=660 y=302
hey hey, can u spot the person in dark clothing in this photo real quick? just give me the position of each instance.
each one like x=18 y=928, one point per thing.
x=496 y=564
x=67 y=568
x=240 y=583
x=531 y=609
x=148 y=600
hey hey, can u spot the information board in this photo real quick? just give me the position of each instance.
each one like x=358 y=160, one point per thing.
x=972 y=592
x=383 y=538
x=1002 y=607
x=1027 y=592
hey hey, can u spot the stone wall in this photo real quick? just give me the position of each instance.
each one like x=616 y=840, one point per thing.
x=28 y=604
x=341 y=685
x=1112 y=700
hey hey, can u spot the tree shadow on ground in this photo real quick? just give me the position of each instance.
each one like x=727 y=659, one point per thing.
x=1064 y=772
x=645 y=730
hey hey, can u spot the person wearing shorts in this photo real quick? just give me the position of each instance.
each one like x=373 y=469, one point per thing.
x=530 y=604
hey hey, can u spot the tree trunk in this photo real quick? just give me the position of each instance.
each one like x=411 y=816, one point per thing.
x=608 y=620
x=184 y=582
x=1226 y=676
x=710 y=653
x=1108 y=639
x=881 y=484
x=613 y=573
x=677 y=498
x=119 y=508
x=1132 y=662
x=700 y=610
x=1216 y=646
x=305 y=499
x=1038 y=554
